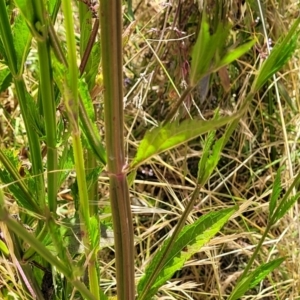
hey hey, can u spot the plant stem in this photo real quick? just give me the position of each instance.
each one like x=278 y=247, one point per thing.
x=87 y=39
x=72 y=106
x=112 y=62
x=48 y=101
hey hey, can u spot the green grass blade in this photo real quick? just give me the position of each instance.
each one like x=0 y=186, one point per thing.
x=254 y=278
x=191 y=239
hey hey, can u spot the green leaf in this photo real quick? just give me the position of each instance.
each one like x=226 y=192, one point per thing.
x=278 y=57
x=171 y=135
x=234 y=54
x=22 y=188
x=27 y=10
x=283 y=207
x=36 y=119
x=131 y=177
x=208 y=163
x=86 y=99
x=254 y=278
x=190 y=240
x=275 y=193
x=3 y=248
x=94 y=233
x=205 y=49
x=22 y=40
x=5 y=79
x=94 y=60
x=2 y=51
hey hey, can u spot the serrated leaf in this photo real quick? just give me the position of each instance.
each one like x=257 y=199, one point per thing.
x=171 y=135
x=206 y=152
x=275 y=193
x=254 y=278
x=283 y=207
x=65 y=163
x=36 y=119
x=210 y=162
x=27 y=10
x=189 y=241
x=22 y=39
x=85 y=31
x=94 y=60
x=86 y=99
x=278 y=57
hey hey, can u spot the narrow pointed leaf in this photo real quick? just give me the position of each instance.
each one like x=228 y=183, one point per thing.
x=190 y=241
x=204 y=50
x=283 y=207
x=234 y=54
x=275 y=192
x=171 y=135
x=278 y=57
x=22 y=39
x=254 y=278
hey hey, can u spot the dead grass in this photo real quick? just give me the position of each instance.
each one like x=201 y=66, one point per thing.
x=248 y=165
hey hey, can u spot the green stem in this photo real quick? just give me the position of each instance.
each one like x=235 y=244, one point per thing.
x=48 y=102
x=87 y=39
x=112 y=62
x=87 y=127
x=72 y=106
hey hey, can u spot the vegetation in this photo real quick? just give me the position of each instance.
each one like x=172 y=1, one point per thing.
x=150 y=152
